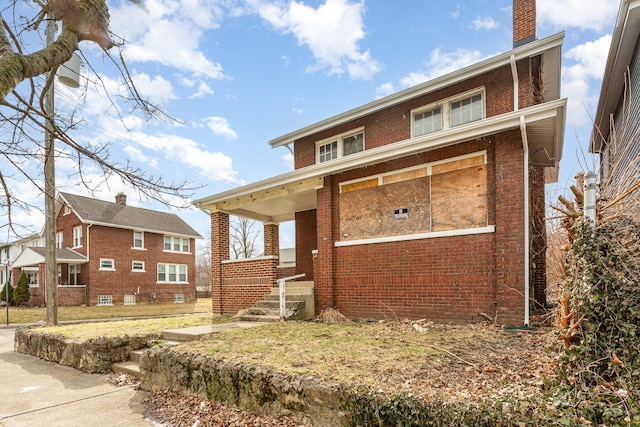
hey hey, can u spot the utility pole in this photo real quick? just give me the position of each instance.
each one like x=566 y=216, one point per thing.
x=51 y=267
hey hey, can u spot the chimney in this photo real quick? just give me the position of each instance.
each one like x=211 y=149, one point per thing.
x=524 y=22
x=121 y=199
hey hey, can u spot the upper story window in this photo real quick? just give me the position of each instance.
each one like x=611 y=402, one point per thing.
x=340 y=146
x=77 y=236
x=138 y=240
x=59 y=237
x=67 y=210
x=448 y=113
x=176 y=244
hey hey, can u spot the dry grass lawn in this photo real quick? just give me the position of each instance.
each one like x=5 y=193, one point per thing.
x=33 y=315
x=448 y=362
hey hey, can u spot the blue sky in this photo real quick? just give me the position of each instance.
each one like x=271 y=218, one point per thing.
x=238 y=73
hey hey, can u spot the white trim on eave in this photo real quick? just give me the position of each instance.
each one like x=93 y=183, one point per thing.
x=524 y=51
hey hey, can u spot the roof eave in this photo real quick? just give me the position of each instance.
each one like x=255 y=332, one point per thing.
x=524 y=51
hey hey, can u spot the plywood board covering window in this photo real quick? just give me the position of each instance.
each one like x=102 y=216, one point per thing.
x=446 y=195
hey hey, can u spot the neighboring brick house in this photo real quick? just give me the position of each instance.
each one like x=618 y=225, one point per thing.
x=110 y=253
x=617 y=120
x=428 y=203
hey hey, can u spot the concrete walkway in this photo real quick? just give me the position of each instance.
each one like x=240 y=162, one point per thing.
x=37 y=393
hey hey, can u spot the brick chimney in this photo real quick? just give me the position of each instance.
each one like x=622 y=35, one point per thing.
x=524 y=22
x=121 y=199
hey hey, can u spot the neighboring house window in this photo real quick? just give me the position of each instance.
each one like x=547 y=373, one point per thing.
x=105 y=300
x=77 y=236
x=67 y=209
x=447 y=113
x=33 y=279
x=466 y=110
x=129 y=300
x=59 y=275
x=340 y=146
x=178 y=298
x=176 y=244
x=107 y=264
x=74 y=274
x=172 y=273
x=137 y=266
x=59 y=237
x=138 y=240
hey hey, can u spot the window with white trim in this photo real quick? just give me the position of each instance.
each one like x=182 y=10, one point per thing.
x=77 y=236
x=67 y=210
x=107 y=264
x=59 y=237
x=105 y=300
x=448 y=113
x=138 y=266
x=177 y=244
x=138 y=240
x=340 y=146
x=32 y=276
x=74 y=274
x=172 y=273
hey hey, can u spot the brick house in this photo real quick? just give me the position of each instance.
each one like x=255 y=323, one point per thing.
x=616 y=126
x=428 y=203
x=110 y=253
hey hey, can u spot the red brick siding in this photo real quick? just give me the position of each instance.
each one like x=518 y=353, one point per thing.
x=246 y=281
x=524 y=20
x=271 y=239
x=219 y=253
x=393 y=124
x=538 y=235
x=306 y=242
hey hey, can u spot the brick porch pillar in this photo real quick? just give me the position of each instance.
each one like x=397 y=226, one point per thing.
x=219 y=253
x=271 y=239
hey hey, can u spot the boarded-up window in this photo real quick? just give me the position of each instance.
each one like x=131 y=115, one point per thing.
x=442 y=196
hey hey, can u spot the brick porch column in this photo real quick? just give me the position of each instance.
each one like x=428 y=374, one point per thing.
x=324 y=262
x=271 y=239
x=219 y=252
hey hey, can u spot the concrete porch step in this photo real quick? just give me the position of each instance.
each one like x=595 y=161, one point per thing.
x=127 y=367
x=275 y=304
x=134 y=355
x=259 y=318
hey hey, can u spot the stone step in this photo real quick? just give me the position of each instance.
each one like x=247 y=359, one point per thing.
x=275 y=304
x=134 y=355
x=262 y=311
x=259 y=318
x=128 y=367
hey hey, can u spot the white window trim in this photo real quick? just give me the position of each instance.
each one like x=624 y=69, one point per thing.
x=144 y=268
x=59 y=241
x=78 y=227
x=339 y=138
x=141 y=248
x=173 y=239
x=431 y=235
x=166 y=273
x=428 y=166
x=445 y=109
x=66 y=210
x=78 y=269
x=113 y=263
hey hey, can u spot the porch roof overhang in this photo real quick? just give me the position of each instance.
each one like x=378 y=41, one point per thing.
x=277 y=199
x=31 y=257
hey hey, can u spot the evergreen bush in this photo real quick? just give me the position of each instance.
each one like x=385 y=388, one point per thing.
x=21 y=293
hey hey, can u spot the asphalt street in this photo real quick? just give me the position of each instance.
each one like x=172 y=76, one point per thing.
x=37 y=393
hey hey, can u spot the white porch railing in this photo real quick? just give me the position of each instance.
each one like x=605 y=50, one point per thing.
x=283 y=294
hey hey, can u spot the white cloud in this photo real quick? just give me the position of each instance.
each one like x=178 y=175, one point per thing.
x=168 y=32
x=593 y=15
x=440 y=64
x=581 y=81
x=332 y=32
x=384 y=90
x=220 y=126
x=484 y=23
x=203 y=90
x=157 y=89
x=288 y=160
x=137 y=155
x=456 y=13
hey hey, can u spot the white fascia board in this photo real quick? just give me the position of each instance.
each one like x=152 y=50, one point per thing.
x=524 y=51
x=126 y=227
x=432 y=141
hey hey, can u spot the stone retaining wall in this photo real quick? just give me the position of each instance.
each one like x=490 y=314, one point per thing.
x=93 y=355
x=245 y=386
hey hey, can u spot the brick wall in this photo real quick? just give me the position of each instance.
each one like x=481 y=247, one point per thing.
x=538 y=235
x=524 y=21
x=247 y=281
x=219 y=252
x=306 y=242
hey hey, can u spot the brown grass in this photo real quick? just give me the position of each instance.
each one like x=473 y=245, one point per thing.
x=33 y=315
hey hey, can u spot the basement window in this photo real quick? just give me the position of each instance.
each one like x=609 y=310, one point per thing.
x=178 y=299
x=105 y=300
x=129 y=300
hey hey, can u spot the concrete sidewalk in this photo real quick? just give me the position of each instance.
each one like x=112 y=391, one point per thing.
x=37 y=393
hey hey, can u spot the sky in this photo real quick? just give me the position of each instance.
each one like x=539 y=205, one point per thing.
x=238 y=73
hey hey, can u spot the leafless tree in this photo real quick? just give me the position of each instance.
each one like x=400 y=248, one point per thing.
x=26 y=76
x=203 y=265
x=242 y=236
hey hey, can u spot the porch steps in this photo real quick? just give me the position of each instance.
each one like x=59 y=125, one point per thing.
x=299 y=304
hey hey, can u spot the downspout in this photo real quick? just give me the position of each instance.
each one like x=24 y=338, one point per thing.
x=525 y=147
x=86 y=301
